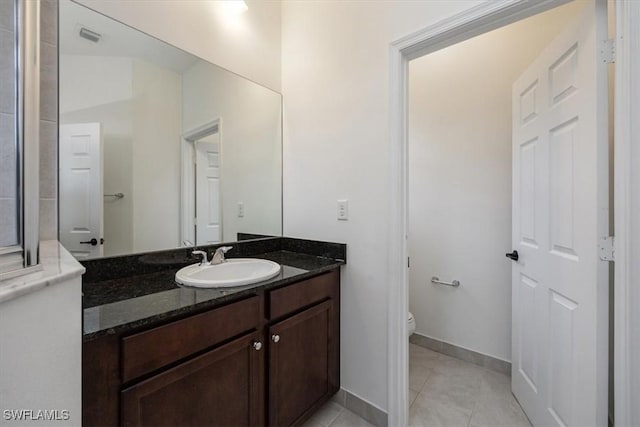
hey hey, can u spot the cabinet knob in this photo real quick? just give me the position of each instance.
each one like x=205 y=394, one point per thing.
x=257 y=345
x=275 y=338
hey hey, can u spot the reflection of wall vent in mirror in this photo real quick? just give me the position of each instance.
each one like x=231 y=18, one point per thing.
x=92 y=36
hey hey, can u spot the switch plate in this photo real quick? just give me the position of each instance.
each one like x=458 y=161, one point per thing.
x=240 y=210
x=343 y=210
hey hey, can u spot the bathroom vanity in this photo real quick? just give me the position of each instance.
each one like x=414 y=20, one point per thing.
x=263 y=354
x=182 y=150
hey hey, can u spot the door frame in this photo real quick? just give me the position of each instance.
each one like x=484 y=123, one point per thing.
x=626 y=214
x=187 y=177
x=467 y=24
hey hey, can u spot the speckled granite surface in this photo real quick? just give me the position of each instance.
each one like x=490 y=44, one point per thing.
x=108 y=268
x=123 y=300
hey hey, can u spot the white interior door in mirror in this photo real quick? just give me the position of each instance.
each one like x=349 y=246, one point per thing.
x=81 y=191
x=208 y=197
x=560 y=201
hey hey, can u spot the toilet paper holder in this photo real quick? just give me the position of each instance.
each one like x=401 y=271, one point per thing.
x=437 y=280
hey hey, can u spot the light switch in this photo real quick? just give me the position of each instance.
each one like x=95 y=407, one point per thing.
x=343 y=210
x=240 y=210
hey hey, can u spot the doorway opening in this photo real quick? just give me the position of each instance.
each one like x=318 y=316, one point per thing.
x=201 y=210
x=471 y=164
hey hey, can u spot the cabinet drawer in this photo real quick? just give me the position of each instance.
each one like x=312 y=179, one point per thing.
x=149 y=350
x=299 y=295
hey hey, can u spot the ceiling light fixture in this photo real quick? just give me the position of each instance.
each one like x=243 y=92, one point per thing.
x=235 y=7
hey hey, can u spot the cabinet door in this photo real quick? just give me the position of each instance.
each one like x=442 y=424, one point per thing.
x=222 y=387
x=302 y=363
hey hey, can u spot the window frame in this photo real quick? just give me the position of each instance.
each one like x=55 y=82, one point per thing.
x=23 y=258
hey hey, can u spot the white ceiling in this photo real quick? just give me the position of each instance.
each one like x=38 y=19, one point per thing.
x=117 y=39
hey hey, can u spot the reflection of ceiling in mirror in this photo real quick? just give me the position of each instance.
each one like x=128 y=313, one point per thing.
x=116 y=39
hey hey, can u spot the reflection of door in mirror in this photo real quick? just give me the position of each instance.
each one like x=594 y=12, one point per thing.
x=81 y=212
x=208 y=227
x=201 y=198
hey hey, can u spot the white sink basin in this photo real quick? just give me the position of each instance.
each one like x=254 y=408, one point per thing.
x=232 y=272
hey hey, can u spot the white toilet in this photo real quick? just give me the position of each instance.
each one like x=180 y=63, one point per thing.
x=412 y=324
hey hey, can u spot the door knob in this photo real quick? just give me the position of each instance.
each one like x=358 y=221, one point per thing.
x=92 y=242
x=275 y=338
x=513 y=255
x=257 y=346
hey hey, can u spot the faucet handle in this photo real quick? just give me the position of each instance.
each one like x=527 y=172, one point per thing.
x=205 y=258
x=218 y=256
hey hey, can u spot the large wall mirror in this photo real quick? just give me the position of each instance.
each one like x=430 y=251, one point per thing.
x=159 y=148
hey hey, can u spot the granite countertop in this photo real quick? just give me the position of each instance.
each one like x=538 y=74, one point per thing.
x=125 y=303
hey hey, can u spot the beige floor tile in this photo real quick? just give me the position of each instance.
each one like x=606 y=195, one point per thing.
x=422 y=356
x=412 y=396
x=496 y=384
x=496 y=412
x=455 y=367
x=417 y=377
x=349 y=419
x=431 y=413
x=458 y=391
x=325 y=415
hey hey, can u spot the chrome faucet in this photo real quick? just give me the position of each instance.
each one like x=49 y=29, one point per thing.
x=218 y=256
x=205 y=257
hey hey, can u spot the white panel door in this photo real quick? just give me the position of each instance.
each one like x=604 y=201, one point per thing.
x=208 y=197
x=560 y=209
x=81 y=191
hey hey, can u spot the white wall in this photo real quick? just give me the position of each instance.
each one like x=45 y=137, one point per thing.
x=336 y=121
x=78 y=77
x=140 y=106
x=40 y=361
x=251 y=145
x=460 y=182
x=157 y=118
x=247 y=44
x=109 y=103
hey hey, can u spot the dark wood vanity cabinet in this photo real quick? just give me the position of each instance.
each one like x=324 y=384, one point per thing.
x=302 y=363
x=269 y=359
x=220 y=388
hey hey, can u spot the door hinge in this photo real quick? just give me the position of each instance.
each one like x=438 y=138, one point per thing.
x=607 y=248
x=408 y=262
x=608 y=51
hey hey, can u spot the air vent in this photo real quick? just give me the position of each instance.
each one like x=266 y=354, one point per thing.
x=92 y=36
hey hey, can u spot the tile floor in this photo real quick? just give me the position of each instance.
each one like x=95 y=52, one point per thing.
x=332 y=414
x=448 y=392
x=443 y=392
